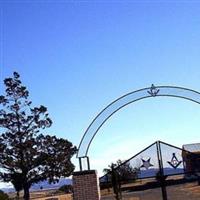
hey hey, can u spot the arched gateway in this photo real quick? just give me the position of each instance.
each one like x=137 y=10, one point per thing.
x=107 y=112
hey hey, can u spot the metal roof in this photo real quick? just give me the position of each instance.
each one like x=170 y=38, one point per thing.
x=192 y=147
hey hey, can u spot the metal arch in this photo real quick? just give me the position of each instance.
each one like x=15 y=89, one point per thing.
x=113 y=107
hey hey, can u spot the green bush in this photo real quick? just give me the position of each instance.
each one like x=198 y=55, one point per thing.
x=66 y=189
x=3 y=196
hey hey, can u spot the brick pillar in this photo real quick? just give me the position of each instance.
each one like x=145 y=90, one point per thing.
x=86 y=185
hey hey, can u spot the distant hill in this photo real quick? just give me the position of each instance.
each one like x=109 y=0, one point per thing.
x=44 y=185
x=152 y=173
x=167 y=171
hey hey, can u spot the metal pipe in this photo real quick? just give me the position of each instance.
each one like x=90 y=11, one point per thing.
x=88 y=163
x=80 y=164
x=161 y=176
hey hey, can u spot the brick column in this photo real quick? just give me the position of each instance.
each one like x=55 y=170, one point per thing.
x=86 y=185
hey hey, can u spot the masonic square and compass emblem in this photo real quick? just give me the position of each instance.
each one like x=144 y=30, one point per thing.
x=174 y=161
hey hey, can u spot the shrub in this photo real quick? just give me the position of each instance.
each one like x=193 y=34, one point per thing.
x=3 y=196
x=66 y=189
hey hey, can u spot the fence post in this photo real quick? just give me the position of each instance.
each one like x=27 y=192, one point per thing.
x=161 y=176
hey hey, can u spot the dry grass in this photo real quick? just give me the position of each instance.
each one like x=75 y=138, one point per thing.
x=45 y=195
x=57 y=197
x=188 y=191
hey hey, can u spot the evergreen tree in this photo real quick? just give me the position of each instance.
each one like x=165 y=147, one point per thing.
x=26 y=156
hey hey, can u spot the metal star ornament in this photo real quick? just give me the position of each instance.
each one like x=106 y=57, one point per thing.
x=146 y=163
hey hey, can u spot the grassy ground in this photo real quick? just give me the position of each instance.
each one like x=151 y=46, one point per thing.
x=45 y=195
x=56 y=197
x=189 y=191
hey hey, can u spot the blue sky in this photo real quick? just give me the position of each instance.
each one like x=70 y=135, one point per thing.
x=76 y=57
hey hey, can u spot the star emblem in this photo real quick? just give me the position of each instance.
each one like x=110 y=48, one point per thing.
x=146 y=163
x=174 y=161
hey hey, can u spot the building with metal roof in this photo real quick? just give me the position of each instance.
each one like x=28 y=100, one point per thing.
x=191 y=158
x=192 y=147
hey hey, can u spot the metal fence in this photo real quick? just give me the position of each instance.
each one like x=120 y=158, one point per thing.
x=160 y=171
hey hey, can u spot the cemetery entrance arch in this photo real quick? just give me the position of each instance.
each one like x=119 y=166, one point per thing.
x=107 y=112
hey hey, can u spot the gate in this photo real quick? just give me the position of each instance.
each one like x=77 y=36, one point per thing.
x=116 y=105
x=159 y=172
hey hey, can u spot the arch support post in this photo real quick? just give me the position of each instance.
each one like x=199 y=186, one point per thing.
x=84 y=163
x=86 y=185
